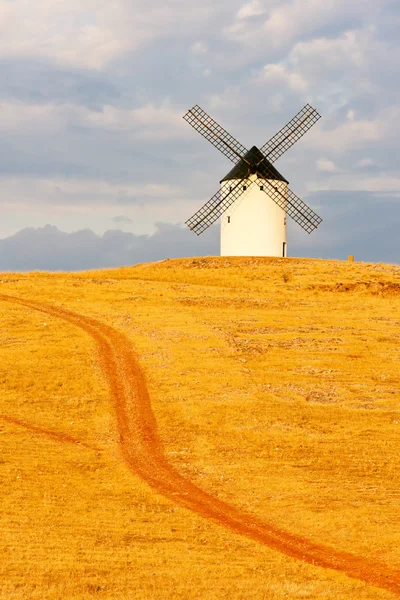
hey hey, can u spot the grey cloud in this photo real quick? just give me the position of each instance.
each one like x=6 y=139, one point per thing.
x=79 y=153
x=38 y=81
x=354 y=223
x=25 y=156
x=163 y=70
x=129 y=201
x=122 y=219
x=368 y=168
x=48 y=248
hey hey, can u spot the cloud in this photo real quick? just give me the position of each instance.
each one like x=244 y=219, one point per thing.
x=122 y=219
x=91 y=203
x=48 y=248
x=34 y=82
x=278 y=74
x=351 y=115
x=127 y=200
x=199 y=48
x=356 y=134
x=364 y=163
x=377 y=183
x=329 y=54
x=29 y=117
x=326 y=165
x=374 y=239
x=146 y=122
x=68 y=191
x=72 y=34
x=91 y=35
x=251 y=9
x=287 y=22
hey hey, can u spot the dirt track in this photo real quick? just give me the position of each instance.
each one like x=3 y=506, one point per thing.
x=54 y=435
x=142 y=451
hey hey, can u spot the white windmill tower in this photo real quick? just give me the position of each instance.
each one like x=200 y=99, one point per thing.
x=254 y=198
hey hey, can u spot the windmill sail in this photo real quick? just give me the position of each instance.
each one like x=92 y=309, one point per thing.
x=214 y=133
x=213 y=209
x=288 y=135
x=286 y=199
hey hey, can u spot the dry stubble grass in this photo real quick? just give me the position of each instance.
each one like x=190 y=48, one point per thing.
x=275 y=384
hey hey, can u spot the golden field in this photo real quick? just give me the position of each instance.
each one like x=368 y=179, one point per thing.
x=275 y=385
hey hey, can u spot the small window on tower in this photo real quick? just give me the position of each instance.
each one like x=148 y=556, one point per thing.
x=229 y=219
x=230 y=188
x=261 y=187
x=244 y=187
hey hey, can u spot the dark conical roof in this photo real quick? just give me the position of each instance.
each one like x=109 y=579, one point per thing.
x=253 y=156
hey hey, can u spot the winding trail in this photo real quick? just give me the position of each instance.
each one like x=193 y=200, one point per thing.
x=142 y=451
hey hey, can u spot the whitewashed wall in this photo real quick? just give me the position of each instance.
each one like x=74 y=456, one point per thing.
x=254 y=225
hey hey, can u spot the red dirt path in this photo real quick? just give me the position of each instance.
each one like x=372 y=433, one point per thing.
x=54 y=435
x=141 y=449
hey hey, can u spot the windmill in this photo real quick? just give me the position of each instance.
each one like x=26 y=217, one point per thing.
x=254 y=198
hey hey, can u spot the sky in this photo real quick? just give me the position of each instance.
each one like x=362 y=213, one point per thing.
x=93 y=145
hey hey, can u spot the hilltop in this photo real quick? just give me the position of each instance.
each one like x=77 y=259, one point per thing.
x=274 y=388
